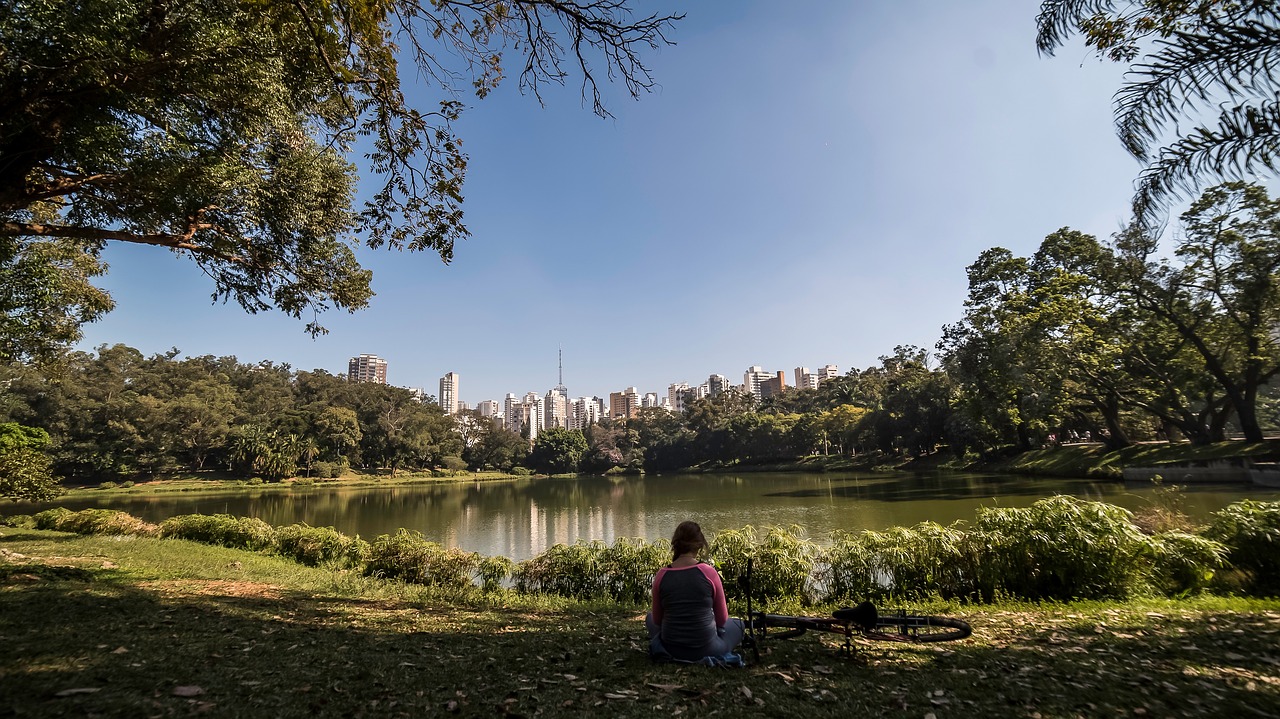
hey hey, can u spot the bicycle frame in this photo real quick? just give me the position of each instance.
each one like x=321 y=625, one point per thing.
x=864 y=620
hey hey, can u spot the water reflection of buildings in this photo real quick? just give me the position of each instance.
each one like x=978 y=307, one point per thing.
x=584 y=510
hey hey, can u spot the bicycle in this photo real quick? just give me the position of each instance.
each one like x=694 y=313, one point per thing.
x=864 y=620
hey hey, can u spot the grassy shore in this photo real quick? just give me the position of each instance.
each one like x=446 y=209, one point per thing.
x=143 y=627
x=220 y=483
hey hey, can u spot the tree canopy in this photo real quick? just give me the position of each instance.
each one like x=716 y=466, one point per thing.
x=225 y=130
x=1189 y=60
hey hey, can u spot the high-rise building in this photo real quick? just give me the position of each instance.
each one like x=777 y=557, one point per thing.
x=806 y=379
x=752 y=378
x=716 y=384
x=773 y=386
x=650 y=400
x=532 y=415
x=511 y=413
x=556 y=408
x=489 y=408
x=624 y=404
x=828 y=372
x=676 y=394
x=367 y=368
x=449 y=393
x=586 y=412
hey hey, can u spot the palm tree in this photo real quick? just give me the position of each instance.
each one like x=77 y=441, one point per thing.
x=1186 y=57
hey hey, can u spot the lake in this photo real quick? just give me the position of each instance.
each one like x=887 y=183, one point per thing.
x=520 y=518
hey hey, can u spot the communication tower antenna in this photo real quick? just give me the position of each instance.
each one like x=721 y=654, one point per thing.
x=564 y=392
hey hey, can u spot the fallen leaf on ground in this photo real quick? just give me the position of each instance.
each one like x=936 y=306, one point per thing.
x=188 y=691
x=79 y=690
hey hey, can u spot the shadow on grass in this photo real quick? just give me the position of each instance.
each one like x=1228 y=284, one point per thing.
x=258 y=650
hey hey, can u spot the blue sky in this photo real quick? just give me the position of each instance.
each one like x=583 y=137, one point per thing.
x=806 y=186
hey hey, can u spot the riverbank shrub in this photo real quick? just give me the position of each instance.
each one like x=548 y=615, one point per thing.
x=493 y=572
x=567 y=570
x=915 y=562
x=221 y=529
x=1183 y=563
x=1251 y=532
x=410 y=557
x=94 y=521
x=315 y=546
x=622 y=572
x=629 y=565
x=18 y=521
x=782 y=562
x=1064 y=548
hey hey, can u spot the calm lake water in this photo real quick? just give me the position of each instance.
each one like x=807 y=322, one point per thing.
x=521 y=518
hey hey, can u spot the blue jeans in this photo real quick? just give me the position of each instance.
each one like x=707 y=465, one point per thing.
x=727 y=639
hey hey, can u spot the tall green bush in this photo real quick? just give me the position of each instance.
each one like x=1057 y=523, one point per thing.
x=1251 y=532
x=493 y=571
x=568 y=570
x=782 y=561
x=1183 y=563
x=1064 y=548
x=629 y=565
x=94 y=521
x=847 y=571
x=410 y=557
x=314 y=546
x=913 y=562
x=221 y=529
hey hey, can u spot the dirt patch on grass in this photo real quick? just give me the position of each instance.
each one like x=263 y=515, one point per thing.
x=214 y=588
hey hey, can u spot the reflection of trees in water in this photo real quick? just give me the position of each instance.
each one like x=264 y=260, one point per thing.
x=915 y=488
x=521 y=518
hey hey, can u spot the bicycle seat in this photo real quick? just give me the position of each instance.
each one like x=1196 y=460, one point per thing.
x=864 y=615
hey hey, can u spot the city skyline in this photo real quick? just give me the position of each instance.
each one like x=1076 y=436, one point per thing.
x=449 y=385
x=797 y=190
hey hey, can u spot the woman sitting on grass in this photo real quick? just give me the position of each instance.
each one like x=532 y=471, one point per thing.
x=689 y=619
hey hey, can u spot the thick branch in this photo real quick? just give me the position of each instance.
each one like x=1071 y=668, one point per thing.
x=172 y=241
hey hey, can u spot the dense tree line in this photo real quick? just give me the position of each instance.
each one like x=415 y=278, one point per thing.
x=116 y=413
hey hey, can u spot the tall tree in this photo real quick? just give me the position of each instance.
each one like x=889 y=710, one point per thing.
x=25 y=471
x=558 y=450
x=1224 y=297
x=1186 y=57
x=223 y=130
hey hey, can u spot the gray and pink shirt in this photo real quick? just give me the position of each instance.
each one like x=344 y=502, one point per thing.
x=689 y=606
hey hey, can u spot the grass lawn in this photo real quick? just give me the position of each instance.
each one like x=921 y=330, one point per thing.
x=101 y=626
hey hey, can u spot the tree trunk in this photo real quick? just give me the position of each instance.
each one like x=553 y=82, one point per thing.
x=1117 y=438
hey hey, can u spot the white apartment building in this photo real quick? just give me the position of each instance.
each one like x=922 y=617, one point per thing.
x=753 y=378
x=675 y=396
x=532 y=415
x=650 y=400
x=556 y=408
x=511 y=413
x=806 y=379
x=367 y=368
x=717 y=384
x=828 y=372
x=586 y=411
x=448 y=396
x=489 y=408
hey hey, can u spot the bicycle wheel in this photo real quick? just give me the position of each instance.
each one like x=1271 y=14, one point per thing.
x=918 y=628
